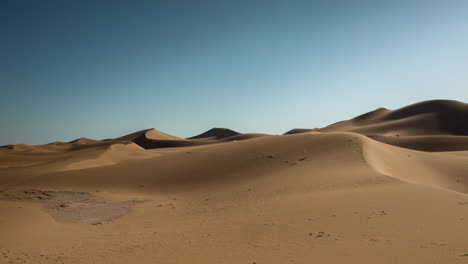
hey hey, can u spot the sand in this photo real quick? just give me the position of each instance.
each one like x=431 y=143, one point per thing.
x=390 y=186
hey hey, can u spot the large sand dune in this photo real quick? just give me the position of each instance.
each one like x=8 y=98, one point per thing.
x=436 y=117
x=437 y=125
x=385 y=187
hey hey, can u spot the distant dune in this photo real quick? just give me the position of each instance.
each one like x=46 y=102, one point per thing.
x=387 y=186
x=216 y=133
x=436 y=117
x=437 y=125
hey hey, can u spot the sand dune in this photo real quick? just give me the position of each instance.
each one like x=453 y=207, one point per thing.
x=436 y=117
x=352 y=192
x=216 y=133
x=437 y=125
x=153 y=138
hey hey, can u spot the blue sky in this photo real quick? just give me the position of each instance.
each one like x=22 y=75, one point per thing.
x=102 y=69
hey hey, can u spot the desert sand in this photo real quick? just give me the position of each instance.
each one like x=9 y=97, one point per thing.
x=389 y=186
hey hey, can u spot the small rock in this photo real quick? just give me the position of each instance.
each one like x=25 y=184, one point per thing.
x=320 y=234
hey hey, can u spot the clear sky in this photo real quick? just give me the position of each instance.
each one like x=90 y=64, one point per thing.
x=102 y=69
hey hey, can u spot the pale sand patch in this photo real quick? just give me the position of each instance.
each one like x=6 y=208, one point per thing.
x=74 y=207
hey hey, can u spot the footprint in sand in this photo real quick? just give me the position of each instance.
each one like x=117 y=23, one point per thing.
x=319 y=234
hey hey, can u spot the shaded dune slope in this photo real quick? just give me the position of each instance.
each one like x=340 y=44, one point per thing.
x=152 y=138
x=299 y=130
x=216 y=133
x=151 y=134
